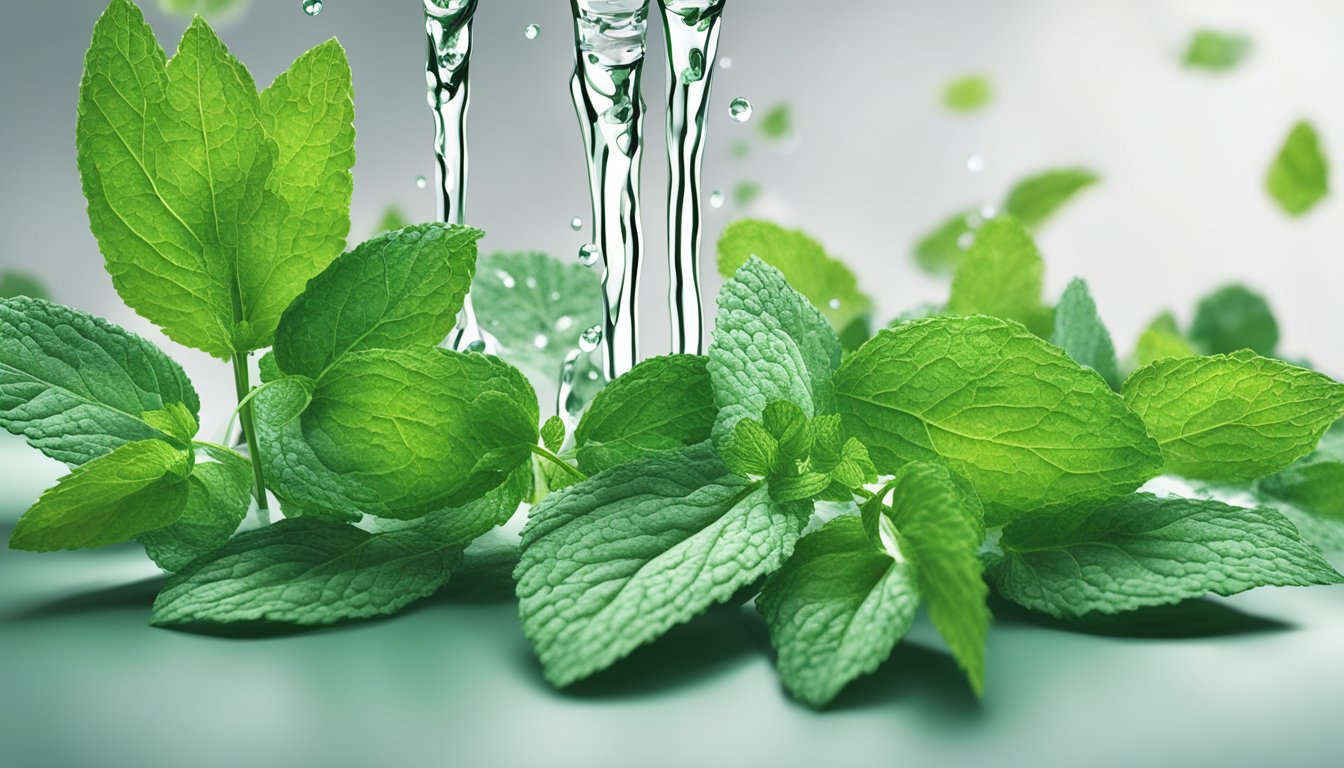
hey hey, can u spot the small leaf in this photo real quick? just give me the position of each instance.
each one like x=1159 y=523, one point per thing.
x=1314 y=483
x=553 y=433
x=1216 y=51
x=968 y=93
x=1298 y=178
x=14 y=284
x=750 y=450
x=1234 y=318
x=1035 y=199
x=1080 y=332
x=1002 y=276
x=218 y=496
x=777 y=123
x=1161 y=340
x=941 y=251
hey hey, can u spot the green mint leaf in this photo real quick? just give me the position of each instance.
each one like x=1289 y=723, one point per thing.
x=1002 y=276
x=1233 y=318
x=750 y=451
x=941 y=251
x=77 y=387
x=309 y=113
x=1080 y=332
x=1314 y=483
x=612 y=563
x=826 y=282
x=468 y=522
x=174 y=162
x=1233 y=417
x=1299 y=177
x=1326 y=534
x=1027 y=426
x=662 y=404
x=769 y=344
x=536 y=307
x=747 y=193
x=938 y=526
x=1142 y=550
x=400 y=289
x=396 y=433
x=807 y=485
x=393 y=219
x=777 y=123
x=1216 y=51
x=553 y=433
x=136 y=488
x=14 y=284
x=789 y=426
x=836 y=610
x=1035 y=199
x=211 y=9
x=968 y=93
x=1160 y=340
x=218 y=496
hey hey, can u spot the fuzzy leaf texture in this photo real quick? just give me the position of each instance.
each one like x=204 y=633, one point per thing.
x=78 y=387
x=1027 y=426
x=1143 y=550
x=1080 y=332
x=1233 y=417
x=613 y=562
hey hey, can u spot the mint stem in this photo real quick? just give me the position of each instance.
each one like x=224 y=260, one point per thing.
x=559 y=462
x=243 y=384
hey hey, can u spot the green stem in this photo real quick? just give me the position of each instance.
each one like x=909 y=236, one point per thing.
x=559 y=462
x=243 y=384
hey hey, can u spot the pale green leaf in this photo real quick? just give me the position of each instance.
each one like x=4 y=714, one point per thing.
x=553 y=433
x=968 y=93
x=1299 y=177
x=1002 y=276
x=942 y=250
x=1080 y=332
x=1035 y=199
x=1216 y=51
x=218 y=495
x=1160 y=340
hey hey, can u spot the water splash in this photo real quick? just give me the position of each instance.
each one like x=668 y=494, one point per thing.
x=692 y=40
x=448 y=80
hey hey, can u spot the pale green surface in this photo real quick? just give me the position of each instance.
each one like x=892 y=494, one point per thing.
x=453 y=682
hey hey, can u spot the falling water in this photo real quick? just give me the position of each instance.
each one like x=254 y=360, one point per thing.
x=692 y=28
x=609 y=40
x=448 y=78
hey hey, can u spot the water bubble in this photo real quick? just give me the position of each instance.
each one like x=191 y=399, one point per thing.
x=505 y=278
x=716 y=199
x=833 y=303
x=541 y=341
x=312 y=7
x=531 y=282
x=988 y=212
x=476 y=346
x=975 y=162
x=973 y=220
x=576 y=223
x=564 y=323
x=965 y=241
x=725 y=62
x=592 y=375
x=589 y=254
x=740 y=110
x=555 y=295
x=590 y=338
x=531 y=31
x=421 y=181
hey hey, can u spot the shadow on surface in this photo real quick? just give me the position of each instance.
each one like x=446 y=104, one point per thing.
x=709 y=645
x=913 y=673
x=137 y=595
x=1191 y=619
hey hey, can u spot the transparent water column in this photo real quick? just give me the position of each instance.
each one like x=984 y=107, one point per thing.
x=448 y=79
x=609 y=38
x=692 y=37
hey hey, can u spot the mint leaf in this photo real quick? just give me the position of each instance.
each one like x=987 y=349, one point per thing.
x=1232 y=318
x=826 y=282
x=942 y=250
x=1002 y=275
x=777 y=123
x=769 y=344
x=1142 y=550
x=750 y=451
x=937 y=525
x=1160 y=340
x=553 y=433
x=1027 y=426
x=1036 y=198
x=1298 y=178
x=836 y=610
x=662 y=404
x=536 y=307
x=1314 y=483
x=218 y=496
x=400 y=289
x=1233 y=417
x=136 y=488
x=1080 y=332
x=396 y=433
x=14 y=284
x=1216 y=51
x=968 y=93
x=78 y=387
x=612 y=563
x=393 y=219
x=207 y=8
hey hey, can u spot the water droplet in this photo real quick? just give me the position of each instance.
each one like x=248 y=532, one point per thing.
x=695 y=70
x=531 y=282
x=833 y=303
x=973 y=220
x=421 y=181
x=531 y=31
x=965 y=241
x=740 y=110
x=312 y=7
x=589 y=254
x=564 y=323
x=975 y=163
x=590 y=338
x=555 y=295
x=716 y=199
x=505 y=278
x=476 y=346
x=988 y=212
x=725 y=62
x=541 y=341
x=576 y=223
x=592 y=375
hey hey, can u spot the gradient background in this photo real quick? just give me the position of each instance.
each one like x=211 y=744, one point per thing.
x=875 y=164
